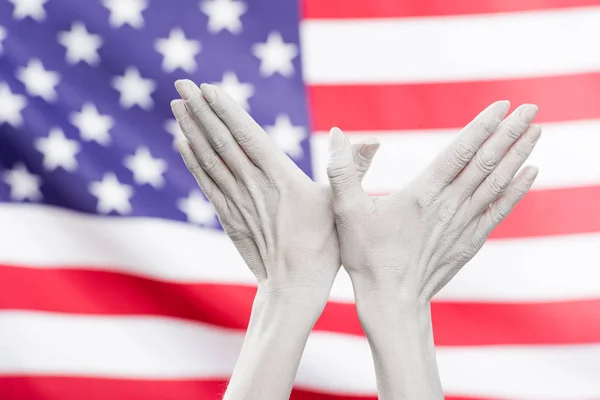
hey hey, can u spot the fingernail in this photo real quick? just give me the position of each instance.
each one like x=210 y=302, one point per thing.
x=368 y=150
x=531 y=173
x=185 y=88
x=209 y=92
x=183 y=146
x=178 y=108
x=336 y=139
x=528 y=112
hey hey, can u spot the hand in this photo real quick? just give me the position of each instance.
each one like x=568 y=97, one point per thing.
x=416 y=239
x=401 y=249
x=280 y=221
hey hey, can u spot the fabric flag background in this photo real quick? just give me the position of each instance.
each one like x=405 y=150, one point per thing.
x=115 y=278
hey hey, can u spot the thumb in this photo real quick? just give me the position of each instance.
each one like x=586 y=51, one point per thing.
x=341 y=170
x=363 y=154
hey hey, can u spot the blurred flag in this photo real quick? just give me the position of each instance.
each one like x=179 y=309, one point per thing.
x=115 y=278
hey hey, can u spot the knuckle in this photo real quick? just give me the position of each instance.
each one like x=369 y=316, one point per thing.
x=362 y=164
x=208 y=160
x=198 y=106
x=499 y=212
x=195 y=169
x=486 y=126
x=337 y=170
x=242 y=133
x=446 y=212
x=485 y=162
x=339 y=176
x=234 y=230
x=222 y=108
x=518 y=191
x=186 y=124
x=463 y=153
x=514 y=130
x=522 y=150
x=472 y=248
x=421 y=201
x=220 y=143
x=497 y=183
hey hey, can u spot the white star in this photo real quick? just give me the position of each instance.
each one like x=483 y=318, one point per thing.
x=38 y=81
x=92 y=125
x=178 y=51
x=275 y=55
x=112 y=195
x=223 y=14
x=240 y=92
x=29 y=8
x=11 y=106
x=80 y=44
x=58 y=151
x=197 y=209
x=2 y=37
x=287 y=136
x=23 y=184
x=126 y=12
x=172 y=127
x=145 y=168
x=134 y=89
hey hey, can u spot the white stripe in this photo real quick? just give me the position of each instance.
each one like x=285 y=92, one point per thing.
x=45 y=236
x=451 y=48
x=160 y=348
x=567 y=155
x=42 y=236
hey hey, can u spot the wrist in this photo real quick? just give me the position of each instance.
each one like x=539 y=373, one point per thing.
x=396 y=312
x=281 y=308
x=272 y=349
x=400 y=335
x=388 y=289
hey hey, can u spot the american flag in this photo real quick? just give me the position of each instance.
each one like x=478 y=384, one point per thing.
x=116 y=281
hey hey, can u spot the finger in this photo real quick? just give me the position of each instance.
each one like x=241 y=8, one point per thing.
x=502 y=207
x=341 y=170
x=497 y=182
x=206 y=156
x=363 y=154
x=208 y=186
x=492 y=152
x=214 y=129
x=455 y=157
x=255 y=142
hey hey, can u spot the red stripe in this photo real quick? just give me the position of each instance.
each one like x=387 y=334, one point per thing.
x=393 y=107
x=553 y=212
x=455 y=323
x=74 y=388
x=344 y=9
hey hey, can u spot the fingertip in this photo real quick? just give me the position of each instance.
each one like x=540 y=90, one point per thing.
x=185 y=88
x=368 y=150
x=502 y=106
x=178 y=108
x=531 y=172
x=527 y=112
x=209 y=92
x=336 y=139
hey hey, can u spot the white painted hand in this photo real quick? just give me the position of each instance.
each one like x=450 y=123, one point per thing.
x=280 y=221
x=414 y=241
